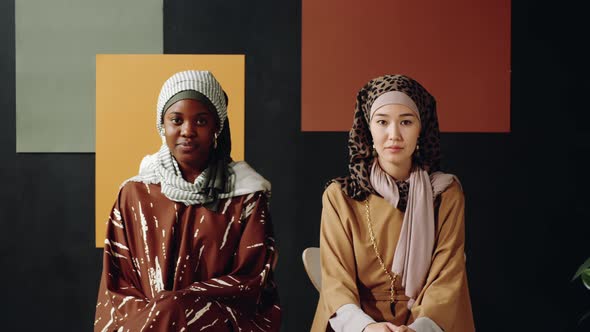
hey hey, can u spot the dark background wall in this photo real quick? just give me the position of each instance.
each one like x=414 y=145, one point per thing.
x=527 y=215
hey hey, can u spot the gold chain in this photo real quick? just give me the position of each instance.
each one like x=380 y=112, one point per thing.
x=393 y=277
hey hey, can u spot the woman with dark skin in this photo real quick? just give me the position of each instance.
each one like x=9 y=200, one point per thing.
x=189 y=243
x=189 y=128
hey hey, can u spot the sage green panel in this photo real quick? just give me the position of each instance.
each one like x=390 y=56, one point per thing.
x=56 y=46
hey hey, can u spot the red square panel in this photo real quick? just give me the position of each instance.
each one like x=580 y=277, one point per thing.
x=458 y=49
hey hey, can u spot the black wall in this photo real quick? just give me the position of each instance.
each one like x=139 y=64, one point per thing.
x=527 y=215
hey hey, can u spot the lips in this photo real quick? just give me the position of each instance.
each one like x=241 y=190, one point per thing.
x=187 y=146
x=394 y=148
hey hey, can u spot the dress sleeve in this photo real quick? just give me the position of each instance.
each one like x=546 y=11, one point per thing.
x=244 y=298
x=424 y=324
x=336 y=256
x=350 y=318
x=248 y=291
x=120 y=293
x=445 y=296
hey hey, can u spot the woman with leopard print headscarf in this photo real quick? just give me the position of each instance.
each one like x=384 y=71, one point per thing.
x=392 y=235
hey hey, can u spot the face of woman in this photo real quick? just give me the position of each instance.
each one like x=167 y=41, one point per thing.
x=395 y=129
x=189 y=128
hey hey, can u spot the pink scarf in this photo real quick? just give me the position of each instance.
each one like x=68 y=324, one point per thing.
x=413 y=253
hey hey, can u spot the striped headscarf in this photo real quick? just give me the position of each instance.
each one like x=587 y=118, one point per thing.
x=222 y=178
x=201 y=81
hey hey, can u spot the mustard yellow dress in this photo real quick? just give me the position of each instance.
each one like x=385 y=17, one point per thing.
x=351 y=272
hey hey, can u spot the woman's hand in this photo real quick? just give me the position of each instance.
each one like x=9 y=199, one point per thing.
x=386 y=327
x=380 y=327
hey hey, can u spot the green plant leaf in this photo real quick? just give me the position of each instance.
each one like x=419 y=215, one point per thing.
x=581 y=269
x=586 y=278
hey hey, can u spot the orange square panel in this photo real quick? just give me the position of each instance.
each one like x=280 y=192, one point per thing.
x=127 y=89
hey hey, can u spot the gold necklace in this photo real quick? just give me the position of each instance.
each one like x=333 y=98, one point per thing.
x=393 y=277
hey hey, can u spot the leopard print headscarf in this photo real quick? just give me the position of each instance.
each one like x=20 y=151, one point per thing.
x=360 y=142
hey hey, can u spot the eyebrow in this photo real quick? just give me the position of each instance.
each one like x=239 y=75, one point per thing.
x=404 y=114
x=180 y=113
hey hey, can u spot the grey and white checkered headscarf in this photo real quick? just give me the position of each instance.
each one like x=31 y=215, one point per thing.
x=198 y=80
x=222 y=178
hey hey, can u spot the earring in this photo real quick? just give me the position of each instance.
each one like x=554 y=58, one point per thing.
x=417 y=147
x=374 y=152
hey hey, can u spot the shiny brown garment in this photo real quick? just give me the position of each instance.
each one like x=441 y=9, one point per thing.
x=172 y=267
x=351 y=272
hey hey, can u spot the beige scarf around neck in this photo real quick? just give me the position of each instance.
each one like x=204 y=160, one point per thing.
x=415 y=246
